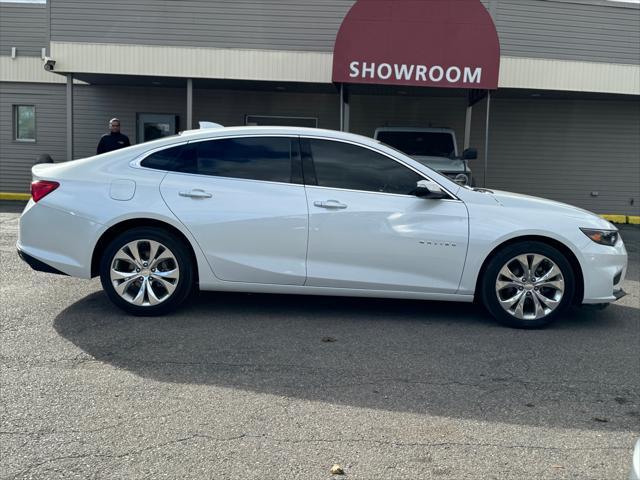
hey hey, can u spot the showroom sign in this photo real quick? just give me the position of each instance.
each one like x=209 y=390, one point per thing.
x=431 y=43
x=415 y=73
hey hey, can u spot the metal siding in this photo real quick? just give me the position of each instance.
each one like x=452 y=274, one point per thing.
x=564 y=150
x=25 y=27
x=571 y=31
x=527 y=28
x=17 y=158
x=229 y=107
x=193 y=62
x=26 y=69
x=569 y=75
x=281 y=24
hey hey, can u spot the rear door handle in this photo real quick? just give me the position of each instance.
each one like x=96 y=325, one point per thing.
x=196 y=193
x=330 y=204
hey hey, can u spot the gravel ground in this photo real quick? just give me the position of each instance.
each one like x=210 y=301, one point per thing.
x=246 y=386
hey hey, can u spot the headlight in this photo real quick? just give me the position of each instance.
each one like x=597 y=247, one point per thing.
x=603 y=237
x=461 y=178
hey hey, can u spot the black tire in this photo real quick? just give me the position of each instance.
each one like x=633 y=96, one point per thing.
x=183 y=258
x=488 y=283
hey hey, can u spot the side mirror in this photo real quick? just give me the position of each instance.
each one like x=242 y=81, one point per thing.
x=470 y=154
x=429 y=189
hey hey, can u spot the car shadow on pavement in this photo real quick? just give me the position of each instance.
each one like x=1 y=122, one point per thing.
x=443 y=359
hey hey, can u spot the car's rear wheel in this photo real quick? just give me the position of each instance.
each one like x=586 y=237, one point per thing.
x=528 y=285
x=146 y=271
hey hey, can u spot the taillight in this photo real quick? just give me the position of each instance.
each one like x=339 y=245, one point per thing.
x=42 y=188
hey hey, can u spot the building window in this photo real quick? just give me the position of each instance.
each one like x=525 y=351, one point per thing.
x=24 y=118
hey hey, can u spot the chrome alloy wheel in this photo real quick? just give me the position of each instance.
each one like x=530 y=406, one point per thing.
x=530 y=286
x=144 y=272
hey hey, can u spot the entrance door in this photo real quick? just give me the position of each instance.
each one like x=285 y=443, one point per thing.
x=156 y=125
x=366 y=229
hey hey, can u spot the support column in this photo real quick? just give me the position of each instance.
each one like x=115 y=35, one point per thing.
x=486 y=139
x=70 y=116
x=473 y=97
x=344 y=107
x=189 y=104
x=467 y=127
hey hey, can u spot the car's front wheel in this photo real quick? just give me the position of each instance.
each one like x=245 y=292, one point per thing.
x=146 y=271
x=528 y=285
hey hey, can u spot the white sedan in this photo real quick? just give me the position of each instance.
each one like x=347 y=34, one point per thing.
x=306 y=211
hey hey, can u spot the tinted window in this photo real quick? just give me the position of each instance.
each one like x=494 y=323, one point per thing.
x=175 y=159
x=342 y=165
x=428 y=144
x=259 y=158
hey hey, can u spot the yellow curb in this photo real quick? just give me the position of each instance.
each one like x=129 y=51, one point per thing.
x=615 y=218
x=14 y=196
x=633 y=220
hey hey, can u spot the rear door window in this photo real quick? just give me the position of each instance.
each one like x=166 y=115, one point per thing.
x=252 y=158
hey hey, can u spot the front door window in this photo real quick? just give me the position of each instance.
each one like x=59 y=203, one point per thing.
x=343 y=165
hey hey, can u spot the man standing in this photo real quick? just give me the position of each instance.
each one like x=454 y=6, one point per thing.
x=113 y=140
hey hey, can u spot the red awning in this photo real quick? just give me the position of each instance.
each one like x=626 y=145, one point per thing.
x=431 y=43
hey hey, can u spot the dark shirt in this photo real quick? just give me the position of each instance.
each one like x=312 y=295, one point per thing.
x=112 y=141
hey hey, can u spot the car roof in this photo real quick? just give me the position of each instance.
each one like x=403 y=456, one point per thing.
x=271 y=130
x=212 y=133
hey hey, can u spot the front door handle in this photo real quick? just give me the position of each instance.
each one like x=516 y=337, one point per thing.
x=330 y=204
x=196 y=193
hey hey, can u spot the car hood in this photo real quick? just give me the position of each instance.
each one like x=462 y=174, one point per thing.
x=441 y=164
x=548 y=207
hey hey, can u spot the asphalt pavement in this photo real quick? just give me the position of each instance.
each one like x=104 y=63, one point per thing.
x=241 y=386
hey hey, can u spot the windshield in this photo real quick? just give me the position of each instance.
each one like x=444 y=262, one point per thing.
x=427 y=144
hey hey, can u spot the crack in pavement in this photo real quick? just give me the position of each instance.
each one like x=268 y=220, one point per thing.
x=310 y=440
x=122 y=455
x=94 y=430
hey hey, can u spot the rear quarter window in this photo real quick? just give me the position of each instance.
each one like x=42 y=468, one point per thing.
x=174 y=159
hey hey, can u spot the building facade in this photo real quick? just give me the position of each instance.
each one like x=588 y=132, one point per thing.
x=563 y=123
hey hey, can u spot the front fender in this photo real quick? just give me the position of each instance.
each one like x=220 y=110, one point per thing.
x=487 y=233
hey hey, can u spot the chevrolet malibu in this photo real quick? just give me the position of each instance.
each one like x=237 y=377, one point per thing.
x=305 y=211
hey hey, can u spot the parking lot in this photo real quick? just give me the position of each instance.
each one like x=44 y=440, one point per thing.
x=259 y=386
